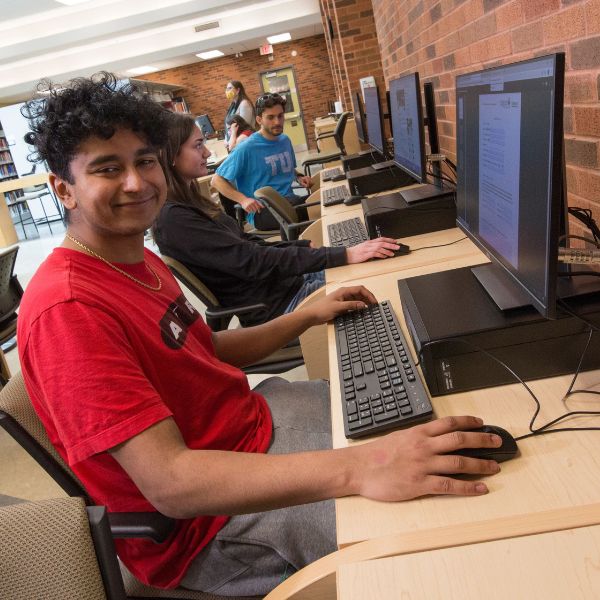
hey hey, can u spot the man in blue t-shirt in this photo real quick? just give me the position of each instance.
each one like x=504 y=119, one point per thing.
x=266 y=158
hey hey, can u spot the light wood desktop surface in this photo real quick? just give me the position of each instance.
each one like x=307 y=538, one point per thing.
x=560 y=564
x=556 y=471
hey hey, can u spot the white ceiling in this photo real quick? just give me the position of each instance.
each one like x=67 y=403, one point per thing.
x=43 y=38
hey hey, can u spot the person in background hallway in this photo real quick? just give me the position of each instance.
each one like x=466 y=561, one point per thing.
x=240 y=105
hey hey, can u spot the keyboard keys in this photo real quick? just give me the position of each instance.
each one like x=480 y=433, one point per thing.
x=347 y=233
x=381 y=386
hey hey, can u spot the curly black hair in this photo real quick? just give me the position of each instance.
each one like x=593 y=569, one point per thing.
x=62 y=118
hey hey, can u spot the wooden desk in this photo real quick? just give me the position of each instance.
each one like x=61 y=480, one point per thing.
x=8 y=233
x=560 y=564
x=559 y=471
x=328 y=144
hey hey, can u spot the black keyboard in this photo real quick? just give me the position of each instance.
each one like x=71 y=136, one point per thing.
x=331 y=173
x=380 y=385
x=335 y=195
x=347 y=233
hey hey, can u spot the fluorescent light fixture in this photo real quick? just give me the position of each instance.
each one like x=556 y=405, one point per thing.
x=210 y=54
x=142 y=70
x=72 y=2
x=282 y=37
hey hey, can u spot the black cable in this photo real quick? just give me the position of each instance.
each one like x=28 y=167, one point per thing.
x=440 y=245
x=543 y=429
x=585 y=216
x=443 y=177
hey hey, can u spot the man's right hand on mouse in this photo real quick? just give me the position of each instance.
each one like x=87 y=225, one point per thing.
x=377 y=248
x=412 y=462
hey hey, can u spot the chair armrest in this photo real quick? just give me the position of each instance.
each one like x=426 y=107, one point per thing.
x=301 y=225
x=152 y=525
x=219 y=313
x=307 y=204
x=324 y=135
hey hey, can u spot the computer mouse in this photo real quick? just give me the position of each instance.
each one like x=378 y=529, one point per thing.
x=339 y=177
x=402 y=250
x=352 y=200
x=506 y=451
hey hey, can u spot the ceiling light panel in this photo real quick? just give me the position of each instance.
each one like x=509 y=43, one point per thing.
x=210 y=54
x=276 y=39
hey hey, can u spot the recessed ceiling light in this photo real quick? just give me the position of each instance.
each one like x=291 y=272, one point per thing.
x=72 y=2
x=210 y=54
x=282 y=37
x=142 y=70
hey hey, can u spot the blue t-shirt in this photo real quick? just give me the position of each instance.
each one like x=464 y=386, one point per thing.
x=259 y=162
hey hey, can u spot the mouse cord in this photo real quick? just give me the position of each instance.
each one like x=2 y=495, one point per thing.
x=440 y=245
x=543 y=429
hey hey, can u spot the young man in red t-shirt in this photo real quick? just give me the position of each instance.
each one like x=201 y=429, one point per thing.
x=149 y=407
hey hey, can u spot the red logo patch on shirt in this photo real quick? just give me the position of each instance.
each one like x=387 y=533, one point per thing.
x=176 y=321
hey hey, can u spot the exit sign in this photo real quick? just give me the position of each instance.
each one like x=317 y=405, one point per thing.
x=266 y=49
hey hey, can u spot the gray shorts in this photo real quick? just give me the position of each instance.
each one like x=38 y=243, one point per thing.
x=254 y=553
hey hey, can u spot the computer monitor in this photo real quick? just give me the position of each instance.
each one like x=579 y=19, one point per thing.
x=359 y=118
x=205 y=125
x=510 y=177
x=406 y=113
x=374 y=119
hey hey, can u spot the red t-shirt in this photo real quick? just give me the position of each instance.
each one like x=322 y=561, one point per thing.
x=104 y=359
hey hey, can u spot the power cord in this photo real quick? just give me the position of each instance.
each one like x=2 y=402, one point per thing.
x=544 y=429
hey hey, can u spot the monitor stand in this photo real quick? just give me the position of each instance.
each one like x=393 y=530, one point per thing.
x=388 y=164
x=427 y=192
x=500 y=287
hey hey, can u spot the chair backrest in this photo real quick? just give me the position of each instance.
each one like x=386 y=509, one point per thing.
x=19 y=419
x=181 y=272
x=52 y=550
x=340 y=129
x=11 y=291
x=281 y=208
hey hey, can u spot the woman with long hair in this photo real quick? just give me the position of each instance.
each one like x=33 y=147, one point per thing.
x=240 y=104
x=238 y=268
x=239 y=131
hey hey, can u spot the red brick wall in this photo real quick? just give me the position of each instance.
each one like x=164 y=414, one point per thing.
x=204 y=82
x=443 y=38
x=354 y=49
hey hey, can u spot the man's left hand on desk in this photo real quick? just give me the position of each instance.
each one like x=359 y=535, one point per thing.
x=341 y=301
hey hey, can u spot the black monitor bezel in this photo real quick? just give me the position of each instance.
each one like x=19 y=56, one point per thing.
x=358 y=110
x=557 y=195
x=209 y=123
x=371 y=127
x=422 y=176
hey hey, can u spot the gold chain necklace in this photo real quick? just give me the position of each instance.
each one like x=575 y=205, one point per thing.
x=150 y=287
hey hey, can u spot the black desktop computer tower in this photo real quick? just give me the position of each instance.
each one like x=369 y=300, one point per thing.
x=453 y=323
x=372 y=181
x=392 y=216
x=366 y=158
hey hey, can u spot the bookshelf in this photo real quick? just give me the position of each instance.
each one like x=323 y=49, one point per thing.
x=166 y=94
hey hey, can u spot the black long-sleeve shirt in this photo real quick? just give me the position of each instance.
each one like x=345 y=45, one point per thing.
x=237 y=267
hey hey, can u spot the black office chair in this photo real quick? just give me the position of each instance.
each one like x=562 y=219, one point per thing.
x=11 y=293
x=284 y=212
x=218 y=319
x=19 y=419
x=338 y=135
